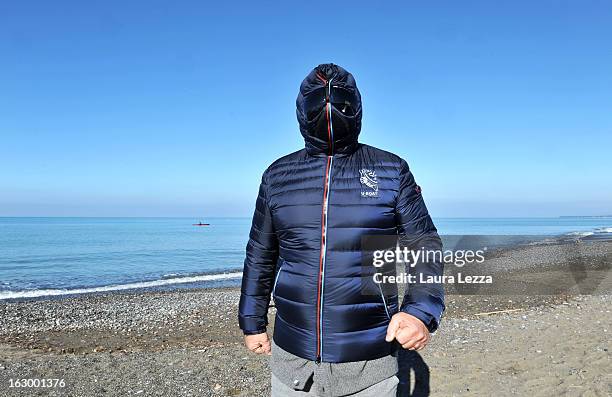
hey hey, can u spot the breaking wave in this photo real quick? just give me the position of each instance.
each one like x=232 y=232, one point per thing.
x=37 y=293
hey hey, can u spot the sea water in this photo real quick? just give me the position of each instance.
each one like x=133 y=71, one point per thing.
x=57 y=256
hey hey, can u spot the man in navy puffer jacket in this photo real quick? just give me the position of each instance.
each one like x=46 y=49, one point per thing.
x=313 y=208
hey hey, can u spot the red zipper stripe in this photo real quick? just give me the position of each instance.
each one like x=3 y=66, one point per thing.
x=323 y=238
x=324 y=209
x=329 y=137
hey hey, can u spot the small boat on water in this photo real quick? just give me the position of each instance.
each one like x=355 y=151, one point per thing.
x=201 y=224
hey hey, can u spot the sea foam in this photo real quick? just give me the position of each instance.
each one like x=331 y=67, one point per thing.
x=36 y=293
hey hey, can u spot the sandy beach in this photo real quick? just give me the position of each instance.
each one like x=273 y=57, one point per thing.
x=187 y=342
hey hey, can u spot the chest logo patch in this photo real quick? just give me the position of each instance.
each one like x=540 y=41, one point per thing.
x=369 y=183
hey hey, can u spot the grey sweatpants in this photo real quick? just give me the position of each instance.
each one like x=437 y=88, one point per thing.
x=321 y=387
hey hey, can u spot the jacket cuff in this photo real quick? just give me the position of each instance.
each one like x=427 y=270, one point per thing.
x=251 y=325
x=249 y=332
x=430 y=321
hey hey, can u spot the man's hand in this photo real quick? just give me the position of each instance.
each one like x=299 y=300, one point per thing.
x=409 y=331
x=258 y=343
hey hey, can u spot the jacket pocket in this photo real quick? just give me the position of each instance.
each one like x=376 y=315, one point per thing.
x=280 y=269
x=384 y=302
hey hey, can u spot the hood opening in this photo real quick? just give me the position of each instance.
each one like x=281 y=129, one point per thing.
x=328 y=109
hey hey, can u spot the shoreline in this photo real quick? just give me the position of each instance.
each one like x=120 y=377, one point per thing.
x=231 y=277
x=206 y=280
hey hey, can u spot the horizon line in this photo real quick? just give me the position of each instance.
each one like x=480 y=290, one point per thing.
x=250 y=216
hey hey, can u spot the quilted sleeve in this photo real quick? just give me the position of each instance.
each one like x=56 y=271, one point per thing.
x=416 y=231
x=259 y=265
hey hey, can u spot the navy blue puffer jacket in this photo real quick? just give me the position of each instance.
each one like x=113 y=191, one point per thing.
x=313 y=207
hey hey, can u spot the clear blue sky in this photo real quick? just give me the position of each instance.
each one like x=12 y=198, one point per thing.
x=175 y=108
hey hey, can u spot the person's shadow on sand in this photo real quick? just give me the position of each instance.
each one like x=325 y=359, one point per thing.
x=411 y=362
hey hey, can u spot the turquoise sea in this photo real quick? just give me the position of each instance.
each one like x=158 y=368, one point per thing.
x=58 y=256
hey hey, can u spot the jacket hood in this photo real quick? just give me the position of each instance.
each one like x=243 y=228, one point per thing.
x=329 y=111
